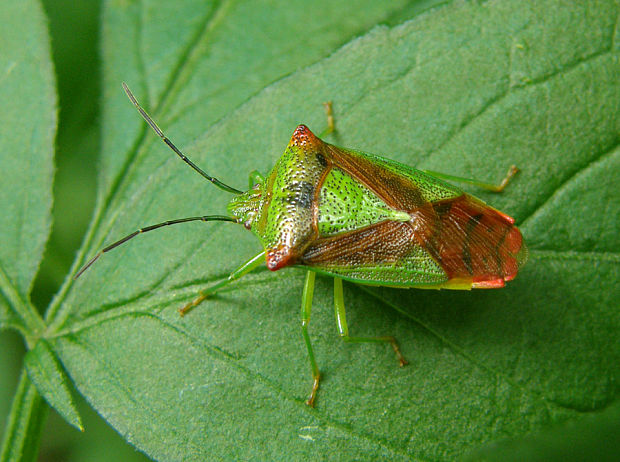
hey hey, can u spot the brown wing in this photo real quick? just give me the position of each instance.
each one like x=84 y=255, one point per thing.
x=462 y=244
x=385 y=253
x=474 y=241
x=399 y=186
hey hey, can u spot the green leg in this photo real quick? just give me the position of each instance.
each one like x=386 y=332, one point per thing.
x=306 y=308
x=341 y=320
x=244 y=269
x=491 y=187
x=330 y=120
x=255 y=178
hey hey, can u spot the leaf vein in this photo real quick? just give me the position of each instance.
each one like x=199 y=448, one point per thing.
x=56 y=312
x=31 y=320
x=545 y=401
x=467 y=121
x=571 y=176
x=114 y=378
x=549 y=254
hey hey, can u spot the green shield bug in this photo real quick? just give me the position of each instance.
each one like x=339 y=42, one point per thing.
x=362 y=218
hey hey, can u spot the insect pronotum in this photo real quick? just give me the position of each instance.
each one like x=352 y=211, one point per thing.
x=362 y=218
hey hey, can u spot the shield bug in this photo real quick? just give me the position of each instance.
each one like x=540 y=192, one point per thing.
x=362 y=218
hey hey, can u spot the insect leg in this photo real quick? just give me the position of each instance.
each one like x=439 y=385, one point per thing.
x=343 y=329
x=330 y=120
x=244 y=269
x=255 y=178
x=512 y=171
x=306 y=308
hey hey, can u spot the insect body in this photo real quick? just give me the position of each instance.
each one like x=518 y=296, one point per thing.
x=370 y=220
x=365 y=219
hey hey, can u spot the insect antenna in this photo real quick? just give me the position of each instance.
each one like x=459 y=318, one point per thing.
x=171 y=145
x=150 y=228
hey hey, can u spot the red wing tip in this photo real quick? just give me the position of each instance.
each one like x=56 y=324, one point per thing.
x=508 y=218
x=489 y=284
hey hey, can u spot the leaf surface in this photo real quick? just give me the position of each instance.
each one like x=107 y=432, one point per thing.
x=27 y=130
x=46 y=374
x=467 y=89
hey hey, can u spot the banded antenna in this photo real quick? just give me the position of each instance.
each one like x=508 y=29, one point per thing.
x=170 y=144
x=147 y=229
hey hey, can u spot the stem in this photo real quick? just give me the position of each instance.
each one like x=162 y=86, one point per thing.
x=25 y=424
x=32 y=323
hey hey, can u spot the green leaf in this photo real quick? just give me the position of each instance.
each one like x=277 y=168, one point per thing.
x=593 y=437
x=27 y=130
x=467 y=89
x=25 y=424
x=50 y=380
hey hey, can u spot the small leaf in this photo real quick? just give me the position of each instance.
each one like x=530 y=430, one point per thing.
x=51 y=381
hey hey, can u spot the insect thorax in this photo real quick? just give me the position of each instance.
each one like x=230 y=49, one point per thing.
x=305 y=197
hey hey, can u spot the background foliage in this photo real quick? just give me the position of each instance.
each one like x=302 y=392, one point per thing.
x=461 y=87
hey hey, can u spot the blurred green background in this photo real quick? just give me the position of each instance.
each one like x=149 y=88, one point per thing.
x=74 y=30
